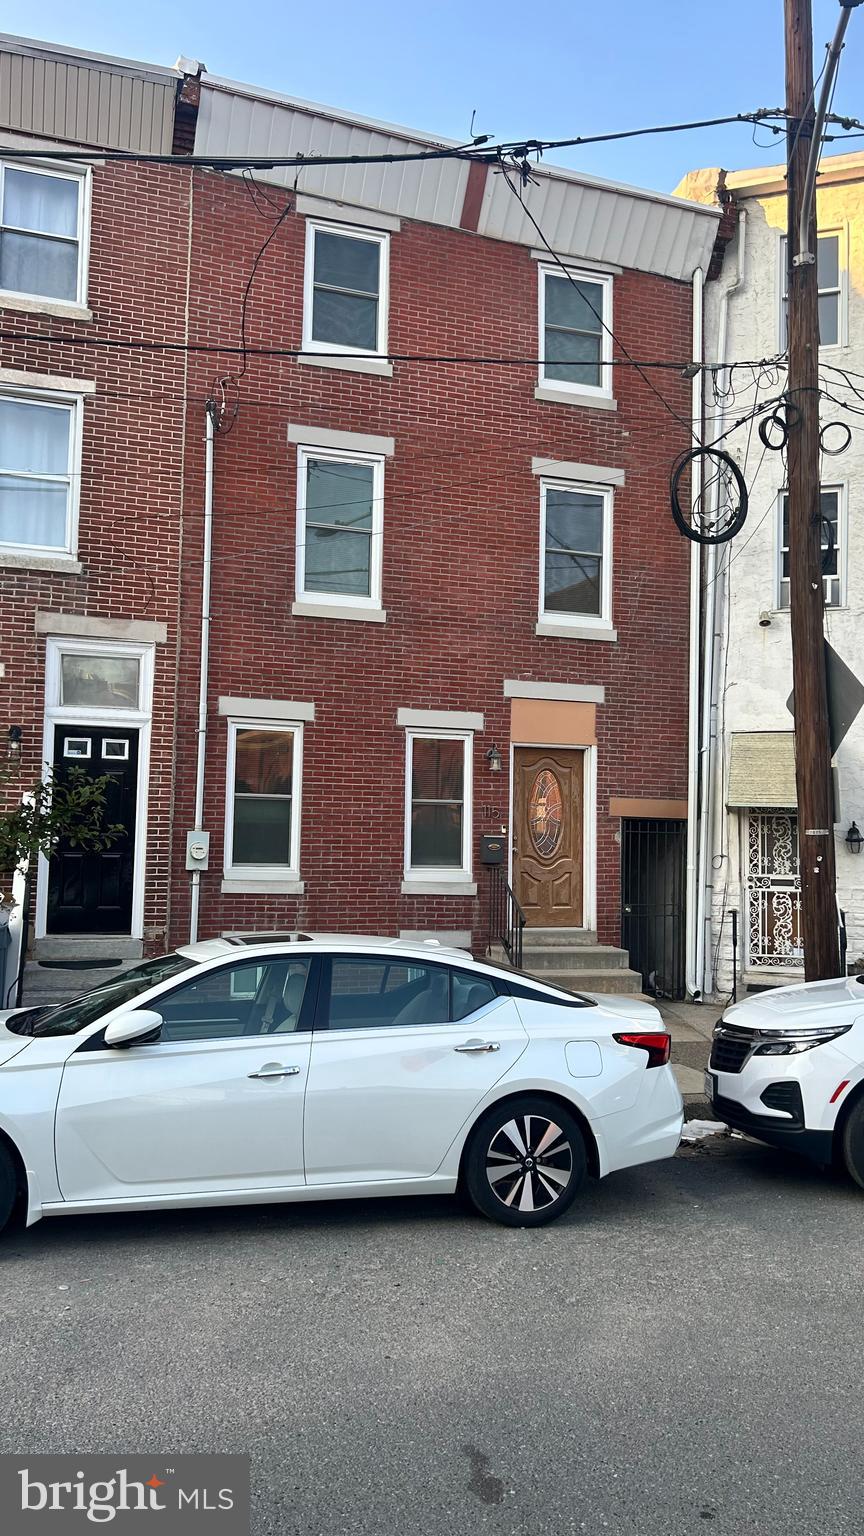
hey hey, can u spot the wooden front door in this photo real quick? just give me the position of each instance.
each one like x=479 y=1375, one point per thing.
x=548 y=813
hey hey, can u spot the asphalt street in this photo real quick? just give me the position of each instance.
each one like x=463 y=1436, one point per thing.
x=683 y=1352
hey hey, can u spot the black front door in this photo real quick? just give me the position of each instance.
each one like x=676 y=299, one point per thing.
x=92 y=892
x=652 y=902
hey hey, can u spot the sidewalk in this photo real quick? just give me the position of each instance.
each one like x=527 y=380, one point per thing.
x=690 y=1025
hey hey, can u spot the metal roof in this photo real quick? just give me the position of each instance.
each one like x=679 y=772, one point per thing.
x=582 y=217
x=85 y=98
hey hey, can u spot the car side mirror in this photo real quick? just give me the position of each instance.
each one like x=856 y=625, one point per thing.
x=141 y=1027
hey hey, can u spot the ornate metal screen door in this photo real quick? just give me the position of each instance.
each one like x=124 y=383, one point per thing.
x=773 y=889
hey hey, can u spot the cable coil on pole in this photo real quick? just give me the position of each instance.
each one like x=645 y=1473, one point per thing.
x=720 y=509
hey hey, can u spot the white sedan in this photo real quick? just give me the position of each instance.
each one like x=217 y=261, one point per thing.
x=251 y=1069
x=787 y=1066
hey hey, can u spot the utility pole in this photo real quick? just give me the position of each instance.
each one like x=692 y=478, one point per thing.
x=812 y=742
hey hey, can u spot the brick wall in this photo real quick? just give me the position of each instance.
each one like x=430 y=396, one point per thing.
x=130 y=530
x=461 y=537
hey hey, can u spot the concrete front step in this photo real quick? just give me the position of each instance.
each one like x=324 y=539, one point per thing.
x=624 y=981
x=56 y=984
x=590 y=957
x=119 y=947
x=553 y=938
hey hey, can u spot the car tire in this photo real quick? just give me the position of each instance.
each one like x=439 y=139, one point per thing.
x=517 y=1170
x=852 y=1142
x=8 y=1187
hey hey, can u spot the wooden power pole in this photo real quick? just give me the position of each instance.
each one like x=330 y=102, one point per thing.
x=812 y=742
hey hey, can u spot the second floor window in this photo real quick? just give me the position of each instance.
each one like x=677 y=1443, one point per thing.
x=575 y=556
x=833 y=548
x=40 y=233
x=575 y=339
x=339 y=527
x=829 y=278
x=345 y=307
x=38 y=443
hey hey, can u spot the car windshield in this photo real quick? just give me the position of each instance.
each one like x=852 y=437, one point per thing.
x=70 y=1017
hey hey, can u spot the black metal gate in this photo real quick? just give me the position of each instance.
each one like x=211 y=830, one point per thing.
x=653 y=855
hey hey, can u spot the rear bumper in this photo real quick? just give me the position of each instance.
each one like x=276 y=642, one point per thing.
x=817 y=1145
x=649 y=1130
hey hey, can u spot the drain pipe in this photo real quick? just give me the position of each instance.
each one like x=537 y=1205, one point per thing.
x=712 y=639
x=204 y=669
x=692 y=983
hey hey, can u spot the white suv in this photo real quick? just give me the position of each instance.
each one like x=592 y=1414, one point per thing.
x=251 y=1069
x=787 y=1066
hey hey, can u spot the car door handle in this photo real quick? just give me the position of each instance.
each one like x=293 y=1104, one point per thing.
x=275 y=1069
x=478 y=1045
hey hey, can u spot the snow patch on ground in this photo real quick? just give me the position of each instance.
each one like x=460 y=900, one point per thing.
x=697 y=1130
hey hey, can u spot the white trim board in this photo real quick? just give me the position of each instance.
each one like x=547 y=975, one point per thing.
x=572 y=693
x=594 y=474
x=353 y=442
x=267 y=709
x=439 y=719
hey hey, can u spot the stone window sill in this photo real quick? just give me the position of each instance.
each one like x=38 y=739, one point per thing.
x=377 y=365
x=574 y=397
x=439 y=888
x=60 y=309
x=26 y=560
x=304 y=610
x=242 y=887
x=575 y=631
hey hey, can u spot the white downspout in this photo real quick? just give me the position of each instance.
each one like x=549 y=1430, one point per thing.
x=710 y=676
x=204 y=670
x=693 y=682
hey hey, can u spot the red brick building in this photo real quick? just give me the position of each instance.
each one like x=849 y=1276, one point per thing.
x=446 y=598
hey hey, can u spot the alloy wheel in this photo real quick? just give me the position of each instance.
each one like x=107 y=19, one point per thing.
x=529 y=1163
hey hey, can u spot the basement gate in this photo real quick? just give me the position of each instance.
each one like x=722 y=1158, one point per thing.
x=653 y=857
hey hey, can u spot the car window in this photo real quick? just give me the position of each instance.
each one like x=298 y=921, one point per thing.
x=368 y=993
x=70 y=1017
x=253 y=997
x=470 y=992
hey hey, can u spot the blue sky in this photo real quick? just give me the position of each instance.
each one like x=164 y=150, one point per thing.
x=550 y=71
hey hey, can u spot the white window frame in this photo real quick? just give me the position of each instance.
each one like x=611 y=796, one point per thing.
x=64 y=172
x=579 y=621
x=841 y=491
x=603 y=391
x=263 y=872
x=74 y=405
x=841 y=231
x=444 y=874
x=373 y=602
x=347 y=232
x=67 y=714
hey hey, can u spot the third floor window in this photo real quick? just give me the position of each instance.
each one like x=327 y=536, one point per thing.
x=830 y=278
x=345 y=306
x=41 y=233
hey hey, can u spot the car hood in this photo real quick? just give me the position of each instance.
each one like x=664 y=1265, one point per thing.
x=813 y=1002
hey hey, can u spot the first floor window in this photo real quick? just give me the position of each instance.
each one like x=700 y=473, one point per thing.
x=439 y=803
x=575 y=553
x=833 y=551
x=346 y=290
x=575 y=330
x=262 y=830
x=37 y=455
x=40 y=232
x=339 y=527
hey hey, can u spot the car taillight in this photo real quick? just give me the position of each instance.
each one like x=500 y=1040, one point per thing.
x=658 y=1046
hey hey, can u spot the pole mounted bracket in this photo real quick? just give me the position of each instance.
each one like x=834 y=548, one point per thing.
x=806 y=259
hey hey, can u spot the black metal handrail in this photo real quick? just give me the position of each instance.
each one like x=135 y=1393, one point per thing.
x=506 y=918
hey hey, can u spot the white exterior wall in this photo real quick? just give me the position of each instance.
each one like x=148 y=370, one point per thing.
x=755 y=671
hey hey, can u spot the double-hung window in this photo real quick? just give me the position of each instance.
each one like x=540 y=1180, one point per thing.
x=576 y=554
x=340 y=521
x=438 y=805
x=829 y=269
x=39 y=457
x=42 y=232
x=345 y=306
x=262 y=829
x=833 y=547
x=575 y=331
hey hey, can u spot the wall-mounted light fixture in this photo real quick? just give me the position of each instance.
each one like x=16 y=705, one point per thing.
x=765 y=620
x=854 y=840
x=494 y=759
x=14 y=737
